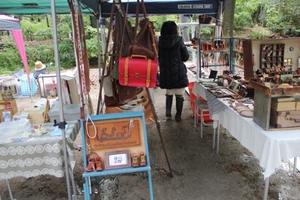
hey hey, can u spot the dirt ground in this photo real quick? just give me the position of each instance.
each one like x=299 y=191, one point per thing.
x=198 y=171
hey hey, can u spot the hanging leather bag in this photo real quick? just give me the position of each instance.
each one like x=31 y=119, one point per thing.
x=138 y=71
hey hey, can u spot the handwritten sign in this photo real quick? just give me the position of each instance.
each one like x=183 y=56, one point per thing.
x=110 y=134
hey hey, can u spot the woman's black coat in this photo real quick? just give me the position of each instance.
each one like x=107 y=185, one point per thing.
x=171 y=54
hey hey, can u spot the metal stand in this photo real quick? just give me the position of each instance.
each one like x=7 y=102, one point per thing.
x=9 y=190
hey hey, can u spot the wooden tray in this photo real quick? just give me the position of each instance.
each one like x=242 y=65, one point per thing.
x=221 y=92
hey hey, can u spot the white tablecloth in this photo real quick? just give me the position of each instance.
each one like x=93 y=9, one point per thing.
x=270 y=147
x=38 y=155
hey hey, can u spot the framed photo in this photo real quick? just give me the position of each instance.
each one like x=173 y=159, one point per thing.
x=6 y=116
x=117 y=159
x=233 y=86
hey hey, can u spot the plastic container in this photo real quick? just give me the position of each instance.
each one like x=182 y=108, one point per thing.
x=193 y=98
x=13 y=127
x=71 y=112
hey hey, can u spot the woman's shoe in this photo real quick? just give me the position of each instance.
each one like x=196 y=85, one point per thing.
x=91 y=165
x=143 y=159
x=134 y=160
x=98 y=163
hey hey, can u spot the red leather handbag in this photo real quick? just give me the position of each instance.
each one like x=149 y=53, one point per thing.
x=137 y=71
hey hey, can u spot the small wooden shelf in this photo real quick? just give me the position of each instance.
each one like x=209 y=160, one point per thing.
x=271 y=55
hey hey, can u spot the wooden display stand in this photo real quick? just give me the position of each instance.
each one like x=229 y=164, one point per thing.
x=114 y=136
x=263 y=98
x=10 y=106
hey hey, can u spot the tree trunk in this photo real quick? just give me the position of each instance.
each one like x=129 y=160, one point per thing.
x=228 y=21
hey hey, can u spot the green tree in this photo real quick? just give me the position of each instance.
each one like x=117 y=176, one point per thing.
x=282 y=16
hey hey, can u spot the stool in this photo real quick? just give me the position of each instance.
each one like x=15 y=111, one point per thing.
x=202 y=106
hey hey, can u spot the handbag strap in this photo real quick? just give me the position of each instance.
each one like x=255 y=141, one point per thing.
x=126 y=71
x=148 y=76
x=150 y=27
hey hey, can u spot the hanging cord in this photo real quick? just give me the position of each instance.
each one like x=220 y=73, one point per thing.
x=131 y=126
x=88 y=118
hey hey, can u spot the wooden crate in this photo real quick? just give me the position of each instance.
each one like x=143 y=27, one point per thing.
x=285 y=119
x=263 y=97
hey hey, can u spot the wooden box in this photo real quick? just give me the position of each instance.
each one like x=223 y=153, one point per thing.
x=297 y=105
x=263 y=98
x=283 y=104
x=285 y=119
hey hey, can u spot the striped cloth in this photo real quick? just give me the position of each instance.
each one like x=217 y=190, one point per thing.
x=214 y=105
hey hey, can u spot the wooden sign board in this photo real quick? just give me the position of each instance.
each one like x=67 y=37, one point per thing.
x=114 y=133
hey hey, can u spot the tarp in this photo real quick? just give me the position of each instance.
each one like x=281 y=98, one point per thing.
x=161 y=7
x=12 y=24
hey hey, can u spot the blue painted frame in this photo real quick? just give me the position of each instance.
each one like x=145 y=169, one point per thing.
x=88 y=175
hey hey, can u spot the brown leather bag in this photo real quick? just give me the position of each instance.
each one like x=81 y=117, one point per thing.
x=121 y=95
x=144 y=42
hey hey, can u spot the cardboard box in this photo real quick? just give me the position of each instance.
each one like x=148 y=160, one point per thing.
x=70 y=93
x=283 y=104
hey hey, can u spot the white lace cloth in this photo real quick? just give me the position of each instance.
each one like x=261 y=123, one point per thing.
x=38 y=155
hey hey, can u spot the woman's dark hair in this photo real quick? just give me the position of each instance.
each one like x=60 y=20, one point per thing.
x=169 y=28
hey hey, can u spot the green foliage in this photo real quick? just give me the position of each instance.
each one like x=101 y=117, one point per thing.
x=282 y=16
x=206 y=32
x=246 y=13
x=257 y=36
x=67 y=56
x=242 y=19
x=43 y=34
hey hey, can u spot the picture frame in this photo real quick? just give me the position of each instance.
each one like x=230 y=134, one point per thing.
x=233 y=86
x=6 y=116
x=117 y=159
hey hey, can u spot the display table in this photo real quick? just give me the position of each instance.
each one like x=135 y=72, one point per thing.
x=38 y=155
x=270 y=147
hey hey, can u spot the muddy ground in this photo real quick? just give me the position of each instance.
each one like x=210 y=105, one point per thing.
x=198 y=171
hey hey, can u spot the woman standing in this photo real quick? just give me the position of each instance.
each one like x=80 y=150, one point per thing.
x=173 y=73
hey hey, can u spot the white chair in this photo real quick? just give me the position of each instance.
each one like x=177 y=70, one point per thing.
x=201 y=109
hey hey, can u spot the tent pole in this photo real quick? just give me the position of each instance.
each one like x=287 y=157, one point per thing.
x=61 y=113
x=159 y=132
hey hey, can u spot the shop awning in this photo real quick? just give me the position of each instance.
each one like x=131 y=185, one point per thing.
x=161 y=7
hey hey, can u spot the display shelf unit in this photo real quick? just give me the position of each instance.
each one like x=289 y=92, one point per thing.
x=272 y=55
x=108 y=134
x=242 y=56
x=195 y=28
x=219 y=51
x=212 y=52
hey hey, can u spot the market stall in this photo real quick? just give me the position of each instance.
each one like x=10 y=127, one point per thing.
x=271 y=147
